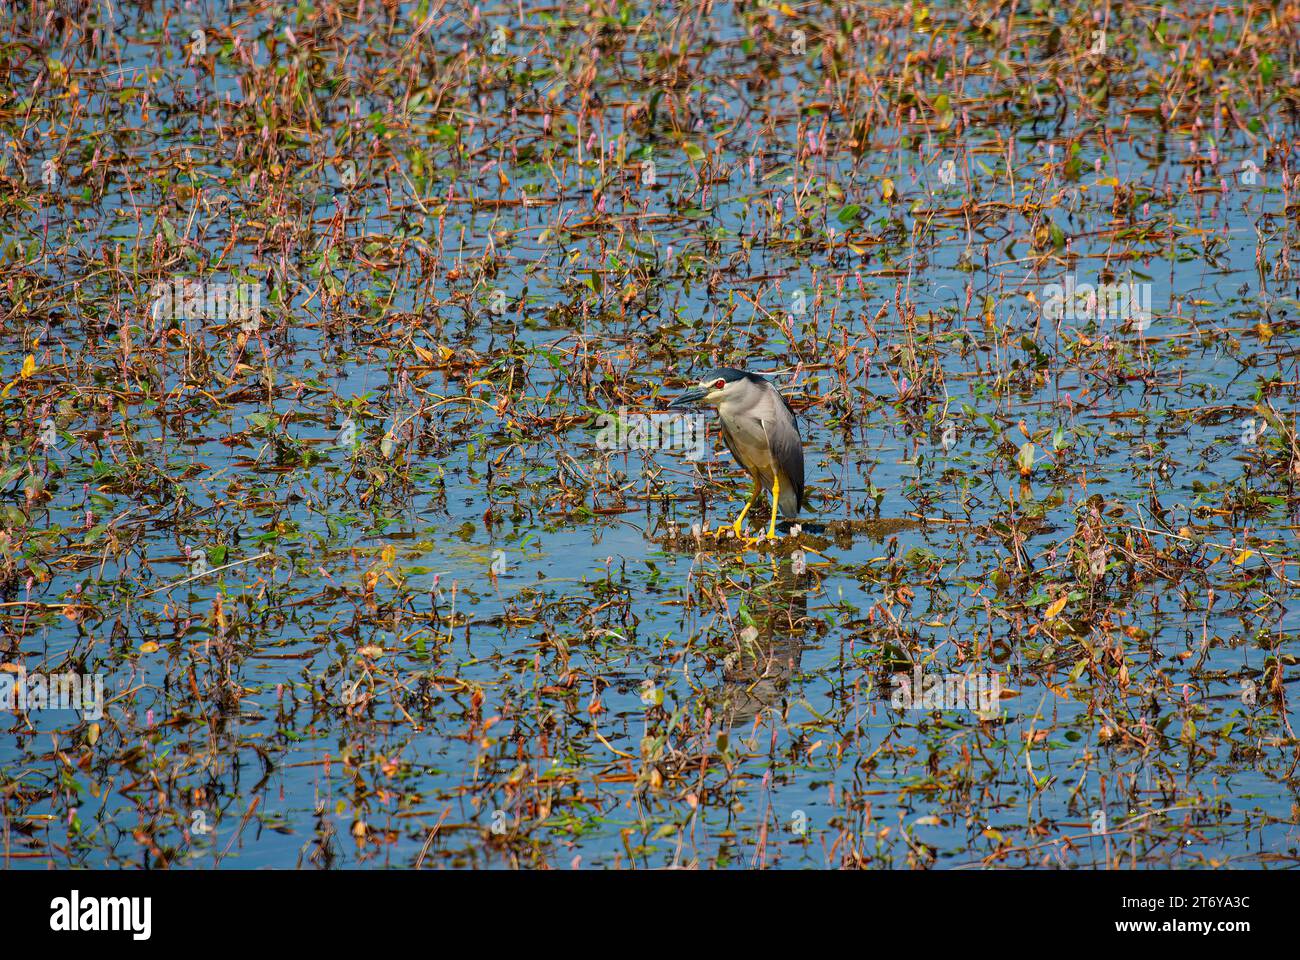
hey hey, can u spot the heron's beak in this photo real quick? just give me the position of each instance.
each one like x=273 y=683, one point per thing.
x=689 y=398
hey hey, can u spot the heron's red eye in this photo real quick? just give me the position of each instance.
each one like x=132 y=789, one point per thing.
x=720 y=384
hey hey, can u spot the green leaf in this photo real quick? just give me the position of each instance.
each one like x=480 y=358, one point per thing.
x=1025 y=459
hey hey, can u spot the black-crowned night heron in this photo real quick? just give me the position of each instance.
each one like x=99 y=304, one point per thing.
x=760 y=430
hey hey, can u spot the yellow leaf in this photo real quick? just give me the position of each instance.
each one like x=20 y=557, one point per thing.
x=29 y=366
x=887 y=189
x=1243 y=557
x=1057 y=606
x=149 y=646
x=389 y=554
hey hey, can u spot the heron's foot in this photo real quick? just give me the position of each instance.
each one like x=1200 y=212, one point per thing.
x=742 y=537
x=723 y=532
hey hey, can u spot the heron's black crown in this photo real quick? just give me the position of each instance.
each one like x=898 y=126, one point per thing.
x=731 y=374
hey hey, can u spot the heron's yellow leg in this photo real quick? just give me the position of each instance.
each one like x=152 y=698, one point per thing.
x=776 y=497
x=753 y=498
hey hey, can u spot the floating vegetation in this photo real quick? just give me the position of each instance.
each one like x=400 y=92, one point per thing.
x=334 y=341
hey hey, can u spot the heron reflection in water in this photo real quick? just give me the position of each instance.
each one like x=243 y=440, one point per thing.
x=756 y=675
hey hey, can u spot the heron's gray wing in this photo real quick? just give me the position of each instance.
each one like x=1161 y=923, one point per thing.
x=731 y=445
x=789 y=409
x=787 y=448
